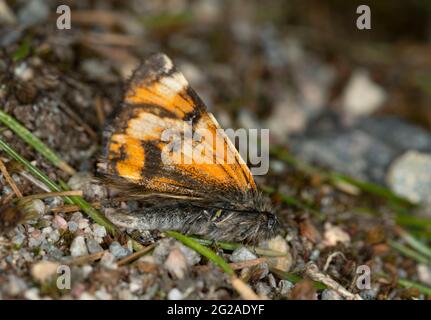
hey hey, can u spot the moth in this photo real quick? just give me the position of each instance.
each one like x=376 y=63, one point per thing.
x=199 y=193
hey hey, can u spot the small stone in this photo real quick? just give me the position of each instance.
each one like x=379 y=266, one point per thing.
x=278 y=244
x=86 y=183
x=285 y=287
x=59 y=222
x=262 y=289
x=93 y=246
x=76 y=216
x=175 y=294
x=18 y=239
x=370 y=294
x=78 y=247
x=165 y=246
x=102 y=294
x=242 y=254
x=43 y=271
x=362 y=96
x=329 y=294
x=32 y=294
x=99 y=231
x=118 y=251
x=333 y=235
x=34 y=12
x=424 y=273
x=86 y=270
x=83 y=223
x=176 y=263
x=15 y=285
x=86 y=296
x=73 y=226
x=108 y=261
x=410 y=176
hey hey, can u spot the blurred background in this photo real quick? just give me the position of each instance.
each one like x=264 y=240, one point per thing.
x=340 y=99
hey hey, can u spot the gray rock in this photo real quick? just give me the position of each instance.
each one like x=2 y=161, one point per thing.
x=175 y=294
x=285 y=287
x=329 y=294
x=108 y=261
x=73 y=226
x=410 y=176
x=262 y=289
x=93 y=246
x=370 y=294
x=86 y=183
x=118 y=251
x=78 y=247
x=18 y=239
x=242 y=254
x=165 y=246
x=15 y=285
x=35 y=11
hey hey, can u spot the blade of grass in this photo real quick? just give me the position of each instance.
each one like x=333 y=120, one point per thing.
x=35 y=142
x=409 y=252
x=33 y=170
x=410 y=284
x=414 y=243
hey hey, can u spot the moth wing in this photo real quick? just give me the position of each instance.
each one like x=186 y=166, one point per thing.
x=163 y=141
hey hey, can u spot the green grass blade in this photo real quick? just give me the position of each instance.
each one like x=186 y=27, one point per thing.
x=35 y=142
x=410 y=284
x=409 y=252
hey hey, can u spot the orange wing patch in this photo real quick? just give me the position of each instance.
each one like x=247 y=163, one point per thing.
x=159 y=99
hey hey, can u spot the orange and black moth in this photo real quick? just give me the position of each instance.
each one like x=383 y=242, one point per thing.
x=217 y=199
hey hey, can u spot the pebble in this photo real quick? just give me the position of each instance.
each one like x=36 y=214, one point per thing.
x=262 y=289
x=86 y=183
x=78 y=247
x=18 y=239
x=59 y=222
x=279 y=244
x=73 y=226
x=370 y=294
x=175 y=294
x=242 y=254
x=32 y=294
x=108 y=261
x=43 y=271
x=93 y=246
x=15 y=285
x=410 y=176
x=334 y=235
x=165 y=246
x=329 y=294
x=176 y=263
x=424 y=274
x=34 y=12
x=118 y=251
x=285 y=287
x=99 y=232
x=362 y=96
